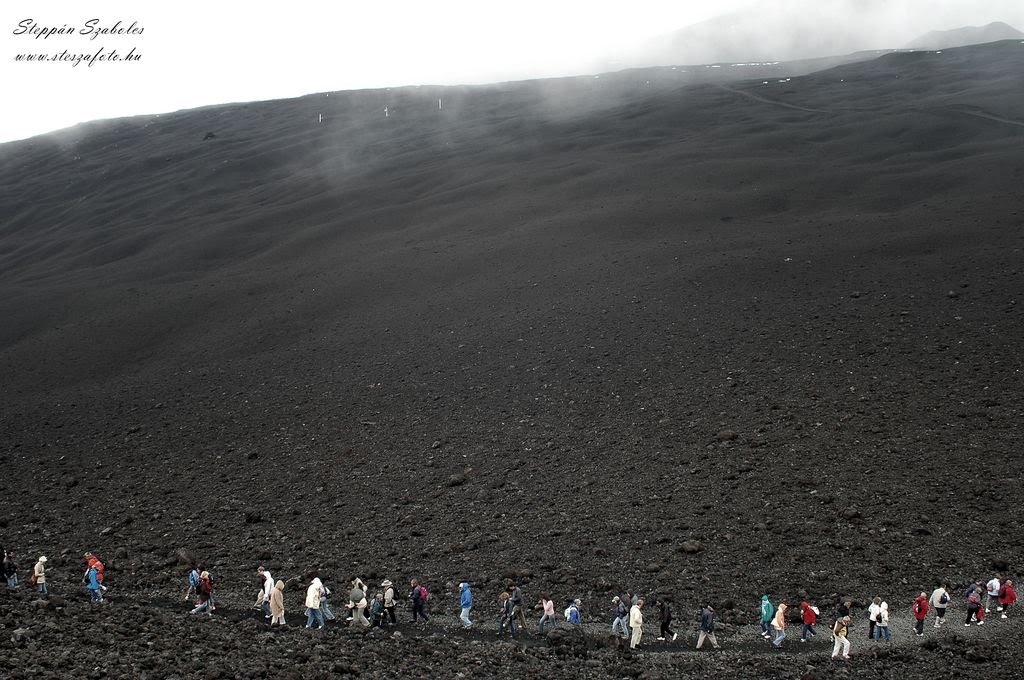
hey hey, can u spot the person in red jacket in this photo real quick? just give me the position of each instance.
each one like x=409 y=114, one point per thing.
x=920 y=611
x=1007 y=596
x=810 y=617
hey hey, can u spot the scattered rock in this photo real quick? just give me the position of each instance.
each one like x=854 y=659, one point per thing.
x=691 y=547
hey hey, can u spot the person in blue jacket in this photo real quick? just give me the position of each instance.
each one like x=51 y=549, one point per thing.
x=93 y=584
x=466 y=602
x=574 y=612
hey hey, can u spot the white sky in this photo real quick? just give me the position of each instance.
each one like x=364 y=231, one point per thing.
x=197 y=53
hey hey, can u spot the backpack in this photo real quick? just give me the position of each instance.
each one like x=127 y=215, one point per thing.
x=193 y=578
x=816 y=611
x=568 y=613
x=916 y=608
x=421 y=591
x=944 y=598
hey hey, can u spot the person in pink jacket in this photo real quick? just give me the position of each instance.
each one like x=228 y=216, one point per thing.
x=549 y=612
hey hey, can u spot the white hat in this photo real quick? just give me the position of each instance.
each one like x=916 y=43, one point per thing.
x=43 y=558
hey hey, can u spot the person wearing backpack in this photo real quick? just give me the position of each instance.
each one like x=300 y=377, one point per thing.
x=939 y=601
x=92 y=561
x=356 y=601
x=809 y=615
x=920 y=612
x=873 y=609
x=39 y=575
x=767 y=614
x=574 y=612
x=974 y=609
x=204 y=589
x=1007 y=596
x=620 y=612
x=263 y=600
x=389 y=600
x=93 y=585
x=419 y=596
x=882 y=625
x=840 y=638
x=465 y=605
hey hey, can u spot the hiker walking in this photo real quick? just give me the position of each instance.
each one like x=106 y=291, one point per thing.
x=920 y=611
x=377 y=611
x=39 y=575
x=707 y=627
x=636 y=623
x=389 y=600
x=263 y=599
x=465 y=604
x=193 y=582
x=204 y=590
x=94 y=562
x=840 y=638
x=1007 y=596
x=356 y=601
x=92 y=581
x=419 y=596
x=873 y=610
x=325 y=606
x=313 y=613
x=506 y=616
x=974 y=610
x=277 y=604
x=665 y=618
x=572 y=614
x=779 y=625
x=516 y=595
x=10 y=568
x=620 y=612
x=992 y=592
x=809 y=615
x=882 y=625
x=767 y=615
x=939 y=600
x=548 y=606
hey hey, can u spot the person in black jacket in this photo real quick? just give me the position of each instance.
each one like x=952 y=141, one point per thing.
x=10 y=568
x=707 y=627
x=665 y=617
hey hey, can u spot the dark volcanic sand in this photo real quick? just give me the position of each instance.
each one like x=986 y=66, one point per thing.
x=554 y=330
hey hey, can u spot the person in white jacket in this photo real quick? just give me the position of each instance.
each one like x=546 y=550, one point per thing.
x=313 y=613
x=992 y=593
x=636 y=623
x=939 y=601
x=263 y=599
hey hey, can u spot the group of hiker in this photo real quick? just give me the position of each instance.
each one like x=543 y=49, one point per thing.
x=627 y=610
x=998 y=593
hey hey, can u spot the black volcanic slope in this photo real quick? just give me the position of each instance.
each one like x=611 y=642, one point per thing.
x=551 y=330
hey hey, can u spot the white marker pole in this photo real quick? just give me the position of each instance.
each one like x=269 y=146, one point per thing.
x=320 y=118
x=385 y=112
x=438 y=103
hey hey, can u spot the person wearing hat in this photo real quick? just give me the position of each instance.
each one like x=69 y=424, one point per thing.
x=621 y=613
x=466 y=604
x=840 y=641
x=10 y=568
x=39 y=574
x=389 y=600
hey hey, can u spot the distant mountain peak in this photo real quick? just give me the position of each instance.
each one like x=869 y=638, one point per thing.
x=965 y=35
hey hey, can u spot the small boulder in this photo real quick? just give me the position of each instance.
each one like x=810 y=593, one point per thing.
x=691 y=547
